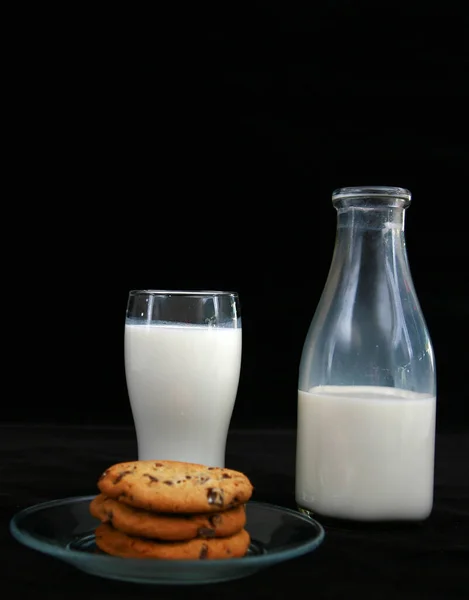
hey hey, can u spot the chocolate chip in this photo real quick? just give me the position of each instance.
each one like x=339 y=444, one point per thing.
x=215 y=496
x=211 y=468
x=226 y=476
x=203 y=551
x=188 y=477
x=206 y=532
x=121 y=475
x=168 y=482
x=158 y=464
x=203 y=479
x=151 y=478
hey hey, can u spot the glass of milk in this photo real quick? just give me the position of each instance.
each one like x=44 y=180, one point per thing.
x=367 y=383
x=182 y=354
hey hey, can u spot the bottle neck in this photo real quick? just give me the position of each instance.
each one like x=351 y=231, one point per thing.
x=360 y=220
x=371 y=238
x=370 y=263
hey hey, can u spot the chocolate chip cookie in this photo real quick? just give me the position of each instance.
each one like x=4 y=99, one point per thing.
x=175 y=487
x=117 y=543
x=143 y=523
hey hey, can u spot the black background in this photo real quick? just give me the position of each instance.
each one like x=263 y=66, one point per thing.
x=205 y=157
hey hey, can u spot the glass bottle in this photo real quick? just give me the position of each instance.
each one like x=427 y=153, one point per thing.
x=367 y=381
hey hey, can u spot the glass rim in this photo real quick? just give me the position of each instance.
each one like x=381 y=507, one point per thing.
x=183 y=293
x=372 y=191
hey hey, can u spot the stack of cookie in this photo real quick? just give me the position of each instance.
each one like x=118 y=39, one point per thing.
x=172 y=510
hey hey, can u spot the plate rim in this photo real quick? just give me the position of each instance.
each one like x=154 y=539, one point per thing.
x=79 y=557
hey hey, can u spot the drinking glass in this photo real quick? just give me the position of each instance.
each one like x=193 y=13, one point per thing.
x=182 y=354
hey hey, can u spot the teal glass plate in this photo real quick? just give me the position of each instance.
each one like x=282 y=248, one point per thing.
x=64 y=529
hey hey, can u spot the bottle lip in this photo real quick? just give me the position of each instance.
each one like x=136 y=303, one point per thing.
x=375 y=192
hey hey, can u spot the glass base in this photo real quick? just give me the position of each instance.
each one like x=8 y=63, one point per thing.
x=357 y=525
